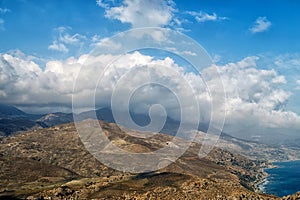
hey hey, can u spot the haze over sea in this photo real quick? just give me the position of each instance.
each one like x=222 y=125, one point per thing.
x=283 y=180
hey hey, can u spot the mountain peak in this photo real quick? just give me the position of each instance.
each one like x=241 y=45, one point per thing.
x=9 y=110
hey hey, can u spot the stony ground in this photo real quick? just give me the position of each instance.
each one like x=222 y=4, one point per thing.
x=53 y=164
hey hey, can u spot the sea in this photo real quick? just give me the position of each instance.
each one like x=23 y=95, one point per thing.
x=283 y=180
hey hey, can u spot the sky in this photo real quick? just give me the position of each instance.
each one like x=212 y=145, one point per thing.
x=254 y=44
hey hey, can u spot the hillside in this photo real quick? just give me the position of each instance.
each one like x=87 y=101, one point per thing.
x=53 y=163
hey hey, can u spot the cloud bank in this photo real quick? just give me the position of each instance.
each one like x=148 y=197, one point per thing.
x=255 y=97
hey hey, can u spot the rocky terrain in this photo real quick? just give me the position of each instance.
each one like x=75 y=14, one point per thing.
x=53 y=163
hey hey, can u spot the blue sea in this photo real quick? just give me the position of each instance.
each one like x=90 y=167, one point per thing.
x=282 y=180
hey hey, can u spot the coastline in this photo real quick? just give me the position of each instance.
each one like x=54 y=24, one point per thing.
x=263 y=179
x=260 y=184
x=260 y=181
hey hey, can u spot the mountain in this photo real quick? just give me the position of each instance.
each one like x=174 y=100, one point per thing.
x=52 y=163
x=17 y=120
x=10 y=111
x=13 y=120
x=105 y=114
x=53 y=119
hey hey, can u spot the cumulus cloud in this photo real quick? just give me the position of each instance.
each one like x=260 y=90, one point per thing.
x=203 y=16
x=244 y=82
x=261 y=24
x=141 y=13
x=255 y=98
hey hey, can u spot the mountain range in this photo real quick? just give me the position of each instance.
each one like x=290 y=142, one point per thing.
x=13 y=120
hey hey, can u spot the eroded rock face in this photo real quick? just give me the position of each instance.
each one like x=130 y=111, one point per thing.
x=53 y=163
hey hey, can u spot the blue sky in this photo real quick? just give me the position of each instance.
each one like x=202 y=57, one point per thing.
x=30 y=25
x=43 y=42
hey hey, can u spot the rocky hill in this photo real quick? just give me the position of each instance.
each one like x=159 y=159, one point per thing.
x=53 y=163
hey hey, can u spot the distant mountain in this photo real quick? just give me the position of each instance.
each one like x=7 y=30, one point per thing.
x=53 y=119
x=14 y=120
x=105 y=114
x=11 y=112
x=47 y=120
x=8 y=111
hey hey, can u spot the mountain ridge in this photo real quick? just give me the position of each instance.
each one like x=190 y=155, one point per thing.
x=251 y=149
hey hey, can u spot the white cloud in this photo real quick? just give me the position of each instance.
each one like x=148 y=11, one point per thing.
x=4 y=10
x=279 y=79
x=288 y=61
x=261 y=24
x=108 y=43
x=63 y=41
x=102 y=4
x=66 y=38
x=56 y=46
x=190 y=53
x=174 y=50
x=289 y=65
x=141 y=13
x=96 y=38
x=71 y=39
x=255 y=98
x=203 y=16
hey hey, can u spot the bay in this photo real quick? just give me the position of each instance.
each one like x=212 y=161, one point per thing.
x=283 y=180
